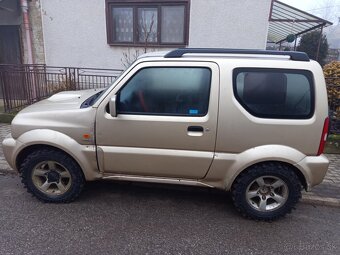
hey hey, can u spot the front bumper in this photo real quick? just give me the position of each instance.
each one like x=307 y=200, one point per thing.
x=314 y=168
x=9 y=146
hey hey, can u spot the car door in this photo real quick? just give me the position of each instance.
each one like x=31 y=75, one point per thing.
x=165 y=124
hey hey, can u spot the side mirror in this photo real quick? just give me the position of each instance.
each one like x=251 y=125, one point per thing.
x=113 y=106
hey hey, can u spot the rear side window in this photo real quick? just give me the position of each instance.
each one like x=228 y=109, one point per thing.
x=179 y=91
x=275 y=93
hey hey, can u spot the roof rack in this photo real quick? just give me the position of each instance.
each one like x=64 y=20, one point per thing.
x=294 y=55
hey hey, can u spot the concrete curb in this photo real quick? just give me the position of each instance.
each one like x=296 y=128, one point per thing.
x=324 y=201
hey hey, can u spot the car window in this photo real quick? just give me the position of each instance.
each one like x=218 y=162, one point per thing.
x=180 y=91
x=275 y=93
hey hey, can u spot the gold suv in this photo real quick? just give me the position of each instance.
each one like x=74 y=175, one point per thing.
x=248 y=121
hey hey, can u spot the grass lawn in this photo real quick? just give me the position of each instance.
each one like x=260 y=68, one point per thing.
x=5 y=117
x=333 y=144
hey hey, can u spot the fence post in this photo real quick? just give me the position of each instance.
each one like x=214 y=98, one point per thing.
x=2 y=89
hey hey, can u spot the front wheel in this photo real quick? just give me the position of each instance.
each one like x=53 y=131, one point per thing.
x=52 y=176
x=266 y=191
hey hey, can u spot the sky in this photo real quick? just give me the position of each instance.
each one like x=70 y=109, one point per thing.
x=326 y=9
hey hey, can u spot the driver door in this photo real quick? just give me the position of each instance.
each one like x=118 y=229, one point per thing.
x=165 y=124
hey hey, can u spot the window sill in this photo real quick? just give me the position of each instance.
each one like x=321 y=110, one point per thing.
x=148 y=46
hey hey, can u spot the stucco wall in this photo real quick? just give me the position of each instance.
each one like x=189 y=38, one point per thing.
x=229 y=23
x=37 y=32
x=75 y=31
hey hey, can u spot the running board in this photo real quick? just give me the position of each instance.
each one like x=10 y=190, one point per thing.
x=157 y=180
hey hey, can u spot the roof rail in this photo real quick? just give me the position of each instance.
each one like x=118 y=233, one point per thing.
x=294 y=55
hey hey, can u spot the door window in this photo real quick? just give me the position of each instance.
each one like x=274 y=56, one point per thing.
x=178 y=91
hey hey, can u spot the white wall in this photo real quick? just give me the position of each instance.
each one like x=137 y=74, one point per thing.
x=229 y=23
x=75 y=30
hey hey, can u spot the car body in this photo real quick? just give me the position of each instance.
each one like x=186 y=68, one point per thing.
x=251 y=110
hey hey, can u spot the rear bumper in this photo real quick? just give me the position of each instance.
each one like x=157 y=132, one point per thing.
x=314 y=168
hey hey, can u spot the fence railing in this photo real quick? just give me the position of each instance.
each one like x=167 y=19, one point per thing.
x=22 y=85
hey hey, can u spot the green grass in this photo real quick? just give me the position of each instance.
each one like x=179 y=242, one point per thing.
x=6 y=117
x=333 y=144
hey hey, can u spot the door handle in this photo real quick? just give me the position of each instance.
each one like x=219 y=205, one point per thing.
x=195 y=131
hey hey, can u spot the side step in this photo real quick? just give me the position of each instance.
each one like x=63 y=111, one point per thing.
x=156 y=180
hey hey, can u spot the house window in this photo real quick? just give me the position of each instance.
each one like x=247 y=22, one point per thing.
x=151 y=23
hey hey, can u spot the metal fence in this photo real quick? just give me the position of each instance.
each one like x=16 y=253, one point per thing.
x=22 y=85
x=333 y=89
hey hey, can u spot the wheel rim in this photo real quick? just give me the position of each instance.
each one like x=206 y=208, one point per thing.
x=51 y=178
x=267 y=193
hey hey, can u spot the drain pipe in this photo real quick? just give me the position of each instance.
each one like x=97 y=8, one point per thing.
x=27 y=27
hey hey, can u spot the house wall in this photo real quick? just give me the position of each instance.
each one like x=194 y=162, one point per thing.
x=229 y=23
x=37 y=31
x=75 y=31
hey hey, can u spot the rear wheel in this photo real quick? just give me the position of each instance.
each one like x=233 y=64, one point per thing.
x=266 y=191
x=52 y=176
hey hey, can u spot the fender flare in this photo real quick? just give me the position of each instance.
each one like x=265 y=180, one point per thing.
x=84 y=155
x=236 y=163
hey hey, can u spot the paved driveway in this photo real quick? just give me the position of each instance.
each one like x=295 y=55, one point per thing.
x=123 y=218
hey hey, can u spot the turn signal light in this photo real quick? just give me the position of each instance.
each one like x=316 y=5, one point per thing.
x=86 y=136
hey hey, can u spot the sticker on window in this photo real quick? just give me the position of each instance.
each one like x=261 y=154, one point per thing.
x=193 y=111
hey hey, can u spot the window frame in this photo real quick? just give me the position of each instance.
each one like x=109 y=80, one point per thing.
x=308 y=74
x=164 y=114
x=135 y=4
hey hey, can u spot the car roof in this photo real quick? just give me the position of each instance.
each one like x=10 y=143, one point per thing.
x=221 y=52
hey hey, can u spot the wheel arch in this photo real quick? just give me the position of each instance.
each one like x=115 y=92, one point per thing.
x=226 y=167
x=296 y=170
x=31 y=148
x=83 y=155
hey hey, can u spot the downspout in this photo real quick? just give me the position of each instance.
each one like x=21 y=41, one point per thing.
x=27 y=27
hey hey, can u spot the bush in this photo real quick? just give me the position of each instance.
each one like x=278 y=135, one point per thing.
x=332 y=76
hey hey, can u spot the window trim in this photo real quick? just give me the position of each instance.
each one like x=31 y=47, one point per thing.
x=308 y=74
x=135 y=4
x=169 y=114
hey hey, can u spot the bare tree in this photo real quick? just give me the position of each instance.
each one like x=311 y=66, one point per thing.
x=147 y=32
x=147 y=35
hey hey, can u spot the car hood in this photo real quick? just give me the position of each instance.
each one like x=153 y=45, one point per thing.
x=66 y=100
x=60 y=112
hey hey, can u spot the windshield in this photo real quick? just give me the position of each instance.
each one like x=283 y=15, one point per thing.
x=92 y=99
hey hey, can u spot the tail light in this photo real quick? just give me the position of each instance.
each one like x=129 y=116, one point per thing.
x=323 y=136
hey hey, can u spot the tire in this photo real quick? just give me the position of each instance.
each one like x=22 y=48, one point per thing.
x=266 y=191
x=52 y=176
